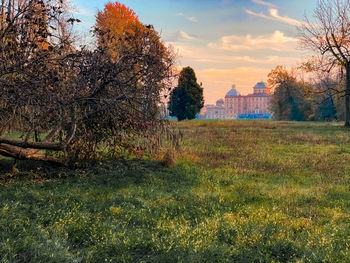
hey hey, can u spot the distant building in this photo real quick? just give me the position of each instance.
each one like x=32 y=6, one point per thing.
x=215 y=112
x=236 y=106
x=254 y=105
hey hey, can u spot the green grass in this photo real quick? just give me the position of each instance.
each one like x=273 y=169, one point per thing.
x=243 y=191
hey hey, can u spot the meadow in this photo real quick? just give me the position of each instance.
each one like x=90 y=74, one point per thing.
x=241 y=191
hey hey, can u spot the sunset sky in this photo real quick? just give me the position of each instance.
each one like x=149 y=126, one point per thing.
x=225 y=41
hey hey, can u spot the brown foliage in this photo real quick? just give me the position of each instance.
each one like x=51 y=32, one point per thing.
x=81 y=101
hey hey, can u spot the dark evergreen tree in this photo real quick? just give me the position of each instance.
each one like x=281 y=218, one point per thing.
x=186 y=100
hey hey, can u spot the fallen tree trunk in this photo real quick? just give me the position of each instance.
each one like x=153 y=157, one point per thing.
x=33 y=145
x=45 y=144
x=29 y=150
x=20 y=153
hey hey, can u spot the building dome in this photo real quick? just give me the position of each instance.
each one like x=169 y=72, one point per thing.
x=220 y=102
x=260 y=85
x=233 y=92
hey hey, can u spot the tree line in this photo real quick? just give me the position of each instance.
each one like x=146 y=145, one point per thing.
x=326 y=96
x=296 y=99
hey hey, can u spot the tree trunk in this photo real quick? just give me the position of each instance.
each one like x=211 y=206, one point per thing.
x=28 y=150
x=347 y=95
x=19 y=153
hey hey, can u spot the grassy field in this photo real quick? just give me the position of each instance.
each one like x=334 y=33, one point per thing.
x=240 y=192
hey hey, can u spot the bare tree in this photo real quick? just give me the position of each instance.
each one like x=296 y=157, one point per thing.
x=33 y=69
x=329 y=34
x=74 y=101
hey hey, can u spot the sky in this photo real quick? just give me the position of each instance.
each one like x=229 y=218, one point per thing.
x=226 y=42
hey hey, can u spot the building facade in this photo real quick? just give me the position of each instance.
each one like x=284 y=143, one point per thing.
x=255 y=104
x=215 y=112
x=236 y=106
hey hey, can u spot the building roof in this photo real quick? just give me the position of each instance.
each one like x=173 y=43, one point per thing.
x=260 y=85
x=232 y=92
x=259 y=95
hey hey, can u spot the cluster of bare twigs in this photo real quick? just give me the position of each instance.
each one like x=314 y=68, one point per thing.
x=72 y=100
x=328 y=33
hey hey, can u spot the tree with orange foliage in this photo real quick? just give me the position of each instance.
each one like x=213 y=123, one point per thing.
x=122 y=37
x=116 y=25
x=116 y=20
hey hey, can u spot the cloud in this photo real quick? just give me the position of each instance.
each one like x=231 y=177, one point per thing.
x=206 y=56
x=192 y=19
x=180 y=35
x=276 y=41
x=184 y=35
x=268 y=60
x=261 y=2
x=83 y=11
x=273 y=15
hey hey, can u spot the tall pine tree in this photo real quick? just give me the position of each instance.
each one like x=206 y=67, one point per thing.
x=186 y=100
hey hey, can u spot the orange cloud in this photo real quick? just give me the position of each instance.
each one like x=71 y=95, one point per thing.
x=206 y=56
x=276 y=41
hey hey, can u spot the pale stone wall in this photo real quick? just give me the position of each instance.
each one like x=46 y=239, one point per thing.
x=215 y=112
